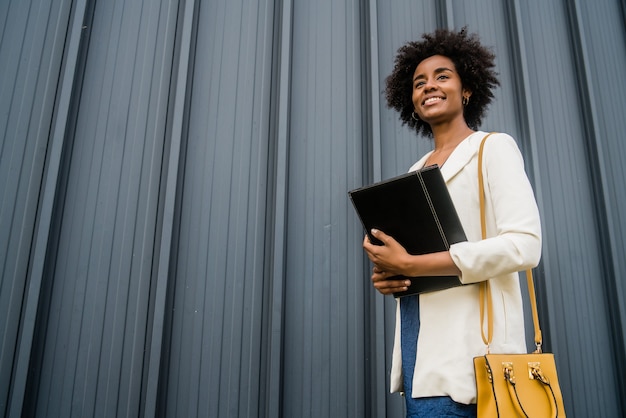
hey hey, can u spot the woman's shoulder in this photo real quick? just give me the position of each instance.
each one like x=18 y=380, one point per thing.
x=498 y=143
x=502 y=137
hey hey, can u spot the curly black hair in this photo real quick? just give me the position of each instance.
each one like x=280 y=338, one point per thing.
x=474 y=63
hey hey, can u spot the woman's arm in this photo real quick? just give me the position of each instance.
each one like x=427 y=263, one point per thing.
x=513 y=224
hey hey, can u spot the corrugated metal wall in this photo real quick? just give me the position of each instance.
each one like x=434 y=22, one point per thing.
x=34 y=44
x=176 y=239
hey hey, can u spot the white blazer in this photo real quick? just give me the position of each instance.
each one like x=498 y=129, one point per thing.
x=449 y=335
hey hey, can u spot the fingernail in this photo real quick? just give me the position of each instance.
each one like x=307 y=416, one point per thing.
x=407 y=282
x=374 y=231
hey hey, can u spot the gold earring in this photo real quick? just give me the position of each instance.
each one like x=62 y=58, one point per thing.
x=465 y=100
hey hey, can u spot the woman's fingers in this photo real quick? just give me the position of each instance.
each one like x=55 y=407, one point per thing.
x=384 y=259
x=387 y=287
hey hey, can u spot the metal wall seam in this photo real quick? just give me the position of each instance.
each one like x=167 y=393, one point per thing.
x=528 y=125
x=445 y=11
x=375 y=88
x=44 y=222
x=379 y=375
x=156 y=343
x=522 y=87
x=622 y=5
x=276 y=303
x=599 y=176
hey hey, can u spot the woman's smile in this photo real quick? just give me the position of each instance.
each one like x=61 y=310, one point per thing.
x=432 y=100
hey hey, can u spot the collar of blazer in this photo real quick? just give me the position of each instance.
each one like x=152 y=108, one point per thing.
x=459 y=158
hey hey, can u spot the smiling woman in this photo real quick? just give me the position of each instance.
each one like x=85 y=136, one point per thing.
x=441 y=87
x=472 y=62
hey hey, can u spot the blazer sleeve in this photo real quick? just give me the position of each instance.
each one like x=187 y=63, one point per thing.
x=513 y=224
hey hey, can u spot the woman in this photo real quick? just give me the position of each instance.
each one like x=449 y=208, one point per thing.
x=441 y=86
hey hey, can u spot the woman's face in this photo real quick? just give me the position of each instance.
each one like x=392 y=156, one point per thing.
x=437 y=90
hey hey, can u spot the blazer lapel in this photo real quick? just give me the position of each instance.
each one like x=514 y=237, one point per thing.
x=461 y=156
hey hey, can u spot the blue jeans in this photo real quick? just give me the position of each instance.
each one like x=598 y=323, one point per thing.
x=439 y=406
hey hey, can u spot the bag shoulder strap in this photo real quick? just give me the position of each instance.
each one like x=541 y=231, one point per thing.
x=485 y=290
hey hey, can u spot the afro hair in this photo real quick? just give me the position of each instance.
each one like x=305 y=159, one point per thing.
x=474 y=63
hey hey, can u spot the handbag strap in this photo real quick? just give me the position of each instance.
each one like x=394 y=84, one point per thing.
x=485 y=289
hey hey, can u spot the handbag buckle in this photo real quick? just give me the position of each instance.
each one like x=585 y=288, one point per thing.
x=507 y=369
x=534 y=372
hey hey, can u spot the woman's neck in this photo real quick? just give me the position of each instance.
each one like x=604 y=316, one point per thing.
x=448 y=137
x=446 y=140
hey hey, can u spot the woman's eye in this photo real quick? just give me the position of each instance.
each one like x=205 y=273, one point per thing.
x=442 y=77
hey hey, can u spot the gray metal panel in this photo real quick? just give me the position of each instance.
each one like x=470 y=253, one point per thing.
x=599 y=29
x=218 y=295
x=30 y=323
x=32 y=35
x=325 y=304
x=156 y=348
x=98 y=281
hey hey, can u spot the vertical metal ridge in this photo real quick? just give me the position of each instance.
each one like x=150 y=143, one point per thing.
x=445 y=14
x=167 y=226
x=378 y=389
x=522 y=85
x=600 y=191
x=521 y=80
x=48 y=197
x=374 y=89
x=277 y=275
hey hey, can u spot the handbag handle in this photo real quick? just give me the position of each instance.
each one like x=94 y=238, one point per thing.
x=535 y=370
x=485 y=290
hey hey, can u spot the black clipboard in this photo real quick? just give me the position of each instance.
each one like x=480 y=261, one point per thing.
x=416 y=209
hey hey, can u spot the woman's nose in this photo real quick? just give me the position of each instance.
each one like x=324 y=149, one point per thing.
x=429 y=84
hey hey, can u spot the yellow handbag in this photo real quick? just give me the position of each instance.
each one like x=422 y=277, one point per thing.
x=513 y=385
